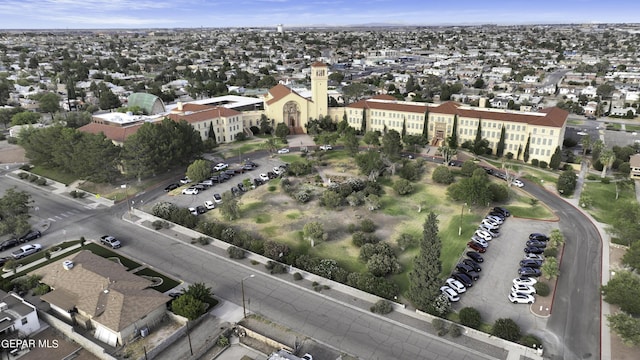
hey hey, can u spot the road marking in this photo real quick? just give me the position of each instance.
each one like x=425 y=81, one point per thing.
x=50 y=219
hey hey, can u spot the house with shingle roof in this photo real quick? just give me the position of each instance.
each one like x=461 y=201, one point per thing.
x=101 y=295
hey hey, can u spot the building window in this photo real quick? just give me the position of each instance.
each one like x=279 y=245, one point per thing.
x=548 y=152
x=24 y=320
x=551 y=132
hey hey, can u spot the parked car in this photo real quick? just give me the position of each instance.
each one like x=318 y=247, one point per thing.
x=531 y=263
x=110 y=241
x=464 y=268
x=171 y=187
x=528 y=271
x=525 y=289
x=502 y=210
x=217 y=198
x=201 y=209
x=257 y=182
x=271 y=175
x=493 y=232
x=264 y=177
x=463 y=278
x=518 y=183
x=326 y=147
x=277 y=170
x=497 y=214
x=456 y=285
x=241 y=187
x=490 y=224
x=475 y=256
x=9 y=243
x=529 y=281
x=533 y=250
x=26 y=250
x=457 y=163
x=224 y=177
x=497 y=219
x=199 y=187
x=185 y=180
x=518 y=298
x=538 y=236
x=207 y=182
x=483 y=235
x=190 y=191
x=30 y=235
x=536 y=243
x=451 y=294
x=4 y=259
x=531 y=256
x=283 y=151
x=473 y=264
x=475 y=246
x=220 y=166
x=247 y=167
x=209 y=204
x=480 y=241
x=193 y=211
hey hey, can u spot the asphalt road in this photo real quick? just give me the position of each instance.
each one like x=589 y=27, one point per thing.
x=573 y=330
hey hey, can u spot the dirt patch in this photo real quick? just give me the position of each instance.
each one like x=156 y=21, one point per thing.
x=11 y=153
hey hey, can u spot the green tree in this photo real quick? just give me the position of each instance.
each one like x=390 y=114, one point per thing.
x=403 y=187
x=24 y=118
x=470 y=317
x=14 y=208
x=468 y=167
x=480 y=145
x=404 y=128
x=313 y=231
x=606 y=158
x=49 y=103
x=623 y=289
x=212 y=134
x=556 y=158
x=631 y=257
x=265 y=125
x=200 y=291
x=424 y=281
x=108 y=100
x=199 y=170
x=550 y=268
x=442 y=175
x=447 y=153
x=282 y=131
x=350 y=141
x=188 y=306
x=519 y=152
x=473 y=190
x=75 y=119
x=229 y=207
x=453 y=139
x=626 y=326
x=391 y=144
x=567 y=182
x=372 y=138
x=586 y=144
x=425 y=125
x=525 y=156
x=363 y=124
x=500 y=146
x=506 y=329
x=624 y=224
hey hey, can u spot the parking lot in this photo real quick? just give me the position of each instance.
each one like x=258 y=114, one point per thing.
x=501 y=263
x=265 y=165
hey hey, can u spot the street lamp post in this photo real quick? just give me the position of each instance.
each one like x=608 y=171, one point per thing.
x=244 y=308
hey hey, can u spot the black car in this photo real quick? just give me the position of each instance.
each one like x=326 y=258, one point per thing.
x=529 y=272
x=463 y=278
x=235 y=191
x=31 y=235
x=200 y=187
x=533 y=250
x=497 y=213
x=502 y=210
x=531 y=263
x=4 y=259
x=464 y=268
x=538 y=236
x=241 y=187
x=257 y=182
x=9 y=243
x=201 y=209
x=171 y=187
x=230 y=172
x=272 y=175
x=473 y=264
x=475 y=256
x=247 y=167
x=536 y=243
x=223 y=177
x=457 y=163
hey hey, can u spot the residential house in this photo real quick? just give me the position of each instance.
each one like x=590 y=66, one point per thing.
x=101 y=295
x=17 y=315
x=634 y=164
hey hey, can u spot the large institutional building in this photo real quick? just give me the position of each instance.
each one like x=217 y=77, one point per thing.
x=230 y=115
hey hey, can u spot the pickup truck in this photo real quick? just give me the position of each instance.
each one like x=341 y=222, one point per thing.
x=110 y=241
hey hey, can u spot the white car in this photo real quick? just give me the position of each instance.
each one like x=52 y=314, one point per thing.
x=456 y=285
x=519 y=298
x=190 y=191
x=209 y=205
x=480 y=241
x=26 y=251
x=493 y=232
x=193 y=211
x=451 y=294
x=527 y=281
x=517 y=183
x=277 y=170
x=185 y=180
x=283 y=151
x=220 y=166
x=531 y=256
x=264 y=177
x=483 y=235
x=326 y=147
x=524 y=289
x=490 y=224
x=217 y=198
x=495 y=219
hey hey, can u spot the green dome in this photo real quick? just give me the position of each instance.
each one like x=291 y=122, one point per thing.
x=150 y=103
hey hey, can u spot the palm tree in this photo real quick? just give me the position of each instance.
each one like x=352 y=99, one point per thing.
x=586 y=143
x=607 y=157
x=271 y=145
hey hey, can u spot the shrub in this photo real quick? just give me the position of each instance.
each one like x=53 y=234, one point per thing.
x=455 y=330
x=297 y=276
x=403 y=187
x=41 y=181
x=223 y=341
x=23 y=175
x=509 y=155
x=470 y=317
x=407 y=241
x=12 y=140
x=235 y=252
x=303 y=197
x=442 y=175
x=367 y=226
x=530 y=341
x=542 y=289
x=605 y=180
x=157 y=225
x=359 y=238
x=276 y=267
x=41 y=289
x=551 y=252
x=535 y=162
x=351 y=228
x=592 y=177
x=506 y=329
x=33 y=177
x=271 y=188
x=543 y=164
x=25 y=167
x=381 y=307
x=203 y=240
x=438 y=324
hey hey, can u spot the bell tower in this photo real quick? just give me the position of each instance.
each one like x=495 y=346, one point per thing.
x=319 y=78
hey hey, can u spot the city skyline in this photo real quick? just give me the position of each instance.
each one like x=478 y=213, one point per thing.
x=123 y=14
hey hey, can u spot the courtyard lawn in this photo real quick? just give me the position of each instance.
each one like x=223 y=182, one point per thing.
x=604 y=199
x=53 y=174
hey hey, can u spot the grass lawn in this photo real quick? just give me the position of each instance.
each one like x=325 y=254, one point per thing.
x=613 y=126
x=531 y=212
x=53 y=174
x=108 y=254
x=41 y=254
x=604 y=199
x=167 y=282
x=631 y=128
x=574 y=122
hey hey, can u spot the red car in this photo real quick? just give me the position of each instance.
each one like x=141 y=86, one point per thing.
x=477 y=247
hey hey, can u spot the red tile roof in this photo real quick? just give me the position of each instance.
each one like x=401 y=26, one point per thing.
x=318 y=64
x=112 y=132
x=194 y=113
x=278 y=92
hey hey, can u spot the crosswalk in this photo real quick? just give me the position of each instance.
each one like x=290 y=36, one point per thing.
x=64 y=215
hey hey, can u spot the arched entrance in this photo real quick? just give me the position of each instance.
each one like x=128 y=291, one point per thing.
x=291 y=116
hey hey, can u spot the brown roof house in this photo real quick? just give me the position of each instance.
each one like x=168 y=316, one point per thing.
x=100 y=295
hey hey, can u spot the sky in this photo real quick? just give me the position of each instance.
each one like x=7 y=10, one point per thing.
x=103 y=14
